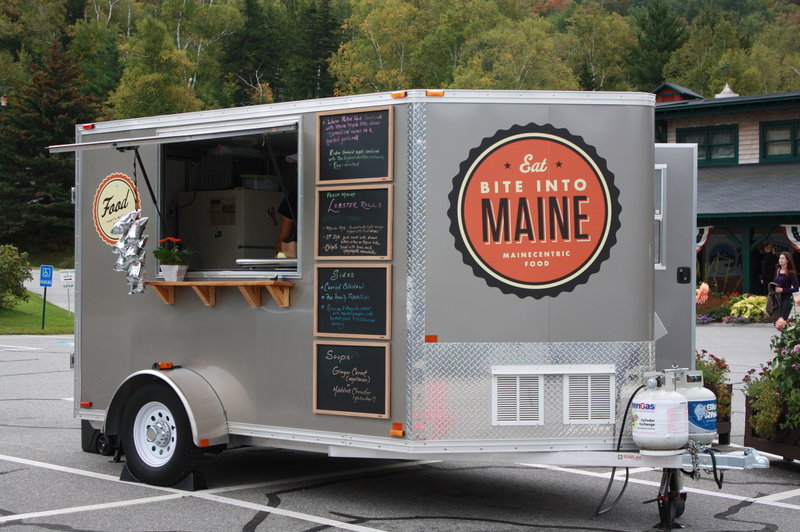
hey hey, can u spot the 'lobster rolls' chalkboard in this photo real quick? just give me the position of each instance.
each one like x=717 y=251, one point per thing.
x=351 y=379
x=355 y=145
x=353 y=301
x=354 y=222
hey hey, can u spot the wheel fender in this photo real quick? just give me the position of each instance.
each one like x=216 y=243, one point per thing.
x=203 y=407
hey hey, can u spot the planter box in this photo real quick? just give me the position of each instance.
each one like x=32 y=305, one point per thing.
x=786 y=443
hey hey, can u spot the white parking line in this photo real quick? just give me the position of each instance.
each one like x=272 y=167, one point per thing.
x=210 y=495
x=4 y=347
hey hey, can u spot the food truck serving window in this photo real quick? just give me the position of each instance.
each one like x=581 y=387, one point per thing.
x=234 y=201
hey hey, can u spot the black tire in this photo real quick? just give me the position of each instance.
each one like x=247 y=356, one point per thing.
x=156 y=436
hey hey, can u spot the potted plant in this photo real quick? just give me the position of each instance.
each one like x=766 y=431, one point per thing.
x=772 y=409
x=715 y=377
x=172 y=256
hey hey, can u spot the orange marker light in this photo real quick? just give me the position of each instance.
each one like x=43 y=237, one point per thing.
x=431 y=338
x=203 y=443
x=399 y=94
x=163 y=365
x=434 y=92
x=397 y=430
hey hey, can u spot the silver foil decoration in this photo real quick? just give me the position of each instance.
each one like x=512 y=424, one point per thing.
x=130 y=249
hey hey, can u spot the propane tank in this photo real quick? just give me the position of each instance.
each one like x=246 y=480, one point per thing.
x=702 y=405
x=659 y=416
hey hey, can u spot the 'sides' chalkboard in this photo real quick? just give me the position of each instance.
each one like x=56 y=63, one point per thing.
x=352 y=301
x=352 y=379
x=355 y=145
x=354 y=222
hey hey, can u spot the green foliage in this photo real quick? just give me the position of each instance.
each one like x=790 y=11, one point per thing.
x=14 y=271
x=172 y=251
x=774 y=389
x=35 y=185
x=715 y=377
x=752 y=307
x=660 y=32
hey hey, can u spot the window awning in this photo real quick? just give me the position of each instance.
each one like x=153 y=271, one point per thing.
x=186 y=134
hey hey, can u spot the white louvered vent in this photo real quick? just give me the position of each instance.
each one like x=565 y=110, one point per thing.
x=517 y=400
x=588 y=399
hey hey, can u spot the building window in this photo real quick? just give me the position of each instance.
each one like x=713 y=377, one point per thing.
x=780 y=141
x=715 y=145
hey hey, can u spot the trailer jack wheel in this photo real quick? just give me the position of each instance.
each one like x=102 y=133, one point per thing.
x=671 y=502
x=157 y=438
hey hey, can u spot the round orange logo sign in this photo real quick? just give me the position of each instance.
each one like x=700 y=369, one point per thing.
x=534 y=210
x=115 y=197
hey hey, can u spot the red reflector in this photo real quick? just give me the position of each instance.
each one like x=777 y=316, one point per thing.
x=87 y=126
x=86 y=404
x=431 y=338
x=397 y=430
x=203 y=443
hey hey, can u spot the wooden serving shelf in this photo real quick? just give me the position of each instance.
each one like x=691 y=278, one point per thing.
x=207 y=290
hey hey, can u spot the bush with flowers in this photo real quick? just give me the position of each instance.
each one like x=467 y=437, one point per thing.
x=774 y=389
x=715 y=377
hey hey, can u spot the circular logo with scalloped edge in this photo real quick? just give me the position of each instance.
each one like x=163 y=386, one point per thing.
x=534 y=210
x=115 y=196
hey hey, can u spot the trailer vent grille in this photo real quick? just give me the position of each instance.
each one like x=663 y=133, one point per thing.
x=517 y=400
x=588 y=399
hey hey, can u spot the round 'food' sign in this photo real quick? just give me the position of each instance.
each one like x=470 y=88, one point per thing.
x=534 y=210
x=116 y=196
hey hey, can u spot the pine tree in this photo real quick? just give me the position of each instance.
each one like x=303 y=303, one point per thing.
x=34 y=184
x=660 y=33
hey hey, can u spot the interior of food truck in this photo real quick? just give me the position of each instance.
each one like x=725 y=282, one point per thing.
x=225 y=197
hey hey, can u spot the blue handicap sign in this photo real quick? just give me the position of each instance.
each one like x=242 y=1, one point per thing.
x=46 y=276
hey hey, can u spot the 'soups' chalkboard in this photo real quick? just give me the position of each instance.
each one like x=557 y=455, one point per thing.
x=355 y=145
x=352 y=301
x=354 y=222
x=352 y=379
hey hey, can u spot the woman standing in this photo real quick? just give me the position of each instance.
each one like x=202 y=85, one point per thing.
x=786 y=279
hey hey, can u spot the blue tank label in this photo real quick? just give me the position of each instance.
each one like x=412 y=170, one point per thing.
x=703 y=415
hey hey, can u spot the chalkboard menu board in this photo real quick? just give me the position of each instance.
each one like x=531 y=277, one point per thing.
x=354 y=222
x=352 y=301
x=351 y=379
x=355 y=145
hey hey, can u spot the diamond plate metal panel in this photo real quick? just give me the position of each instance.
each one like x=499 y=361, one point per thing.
x=449 y=395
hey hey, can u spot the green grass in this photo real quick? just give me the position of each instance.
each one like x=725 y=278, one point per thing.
x=26 y=318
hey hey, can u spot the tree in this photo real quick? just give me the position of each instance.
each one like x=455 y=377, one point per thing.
x=316 y=41
x=378 y=56
x=14 y=271
x=34 y=184
x=598 y=43
x=254 y=56
x=451 y=24
x=660 y=32
x=156 y=79
x=94 y=49
x=516 y=56
x=697 y=62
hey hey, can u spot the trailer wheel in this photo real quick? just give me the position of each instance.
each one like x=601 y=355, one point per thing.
x=157 y=438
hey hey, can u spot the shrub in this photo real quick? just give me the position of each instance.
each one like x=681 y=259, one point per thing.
x=753 y=307
x=14 y=271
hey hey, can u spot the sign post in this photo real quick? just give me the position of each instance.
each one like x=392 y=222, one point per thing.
x=68 y=282
x=45 y=280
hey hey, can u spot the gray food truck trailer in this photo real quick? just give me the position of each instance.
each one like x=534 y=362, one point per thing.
x=480 y=275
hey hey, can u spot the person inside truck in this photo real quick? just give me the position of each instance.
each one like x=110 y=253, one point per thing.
x=786 y=279
x=286 y=246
